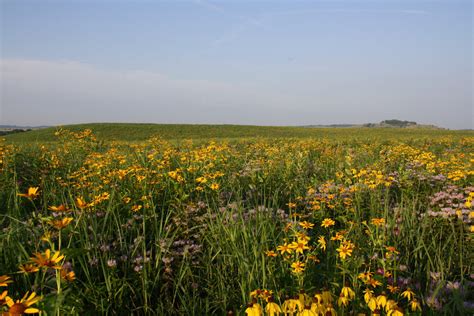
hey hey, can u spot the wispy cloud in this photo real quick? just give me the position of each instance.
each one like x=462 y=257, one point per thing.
x=265 y=19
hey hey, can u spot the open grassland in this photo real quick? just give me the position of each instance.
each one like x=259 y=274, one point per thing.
x=240 y=219
x=142 y=132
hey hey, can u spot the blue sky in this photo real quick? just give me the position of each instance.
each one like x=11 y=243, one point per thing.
x=241 y=62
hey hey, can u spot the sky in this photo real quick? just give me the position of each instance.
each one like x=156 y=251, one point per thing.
x=236 y=62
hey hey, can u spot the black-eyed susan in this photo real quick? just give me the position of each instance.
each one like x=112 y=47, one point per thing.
x=291 y=205
x=271 y=253
x=59 y=209
x=415 y=305
x=382 y=300
x=348 y=292
x=373 y=282
x=300 y=245
x=330 y=311
x=393 y=288
x=368 y=294
x=298 y=266
x=322 y=243
x=81 y=203
x=391 y=304
x=342 y=300
x=327 y=296
x=285 y=248
x=378 y=221
x=306 y=225
x=23 y=306
x=344 y=251
x=408 y=294
x=32 y=193
x=372 y=303
x=60 y=223
x=68 y=275
x=327 y=222
x=307 y=311
x=28 y=268
x=272 y=308
x=136 y=207
x=45 y=260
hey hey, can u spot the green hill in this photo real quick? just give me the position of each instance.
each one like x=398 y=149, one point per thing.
x=139 y=132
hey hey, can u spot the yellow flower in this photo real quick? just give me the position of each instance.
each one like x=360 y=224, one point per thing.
x=201 y=180
x=327 y=222
x=322 y=243
x=382 y=300
x=297 y=266
x=327 y=297
x=59 y=209
x=68 y=275
x=300 y=245
x=391 y=304
x=392 y=249
x=393 y=288
x=271 y=253
x=306 y=225
x=272 y=308
x=291 y=205
x=285 y=248
x=365 y=276
x=373 y=282
x=4 y=280
x=61 y=223
x=31 y=194
x=415 y=305
x=80 y=203
x=339 y=236
x=344 y=251
x=302 y=235
x=136 y=207
x=291 y=306
x=214 y=186
x=408 y=293
x=372 y=304
x=395 y=312
x=342 y=301
x=348 y=292
x=48 y=261
x=330 y=311
x=368 y=294
x=378 y=221
x=28 y=268
x=22 y=306
x=307 y=312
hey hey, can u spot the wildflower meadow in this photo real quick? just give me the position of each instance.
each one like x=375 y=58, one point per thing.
x=329 y=225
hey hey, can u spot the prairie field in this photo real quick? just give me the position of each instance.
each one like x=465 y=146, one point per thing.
x=236 y=220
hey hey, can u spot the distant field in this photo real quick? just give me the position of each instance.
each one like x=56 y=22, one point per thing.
x=139 y=132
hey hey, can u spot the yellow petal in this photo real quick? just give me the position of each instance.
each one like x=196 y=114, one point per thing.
x=32 y=311
x=9 y=301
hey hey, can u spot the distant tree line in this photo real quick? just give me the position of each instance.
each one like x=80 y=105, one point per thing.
x=14 y=131
x=392 y=123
